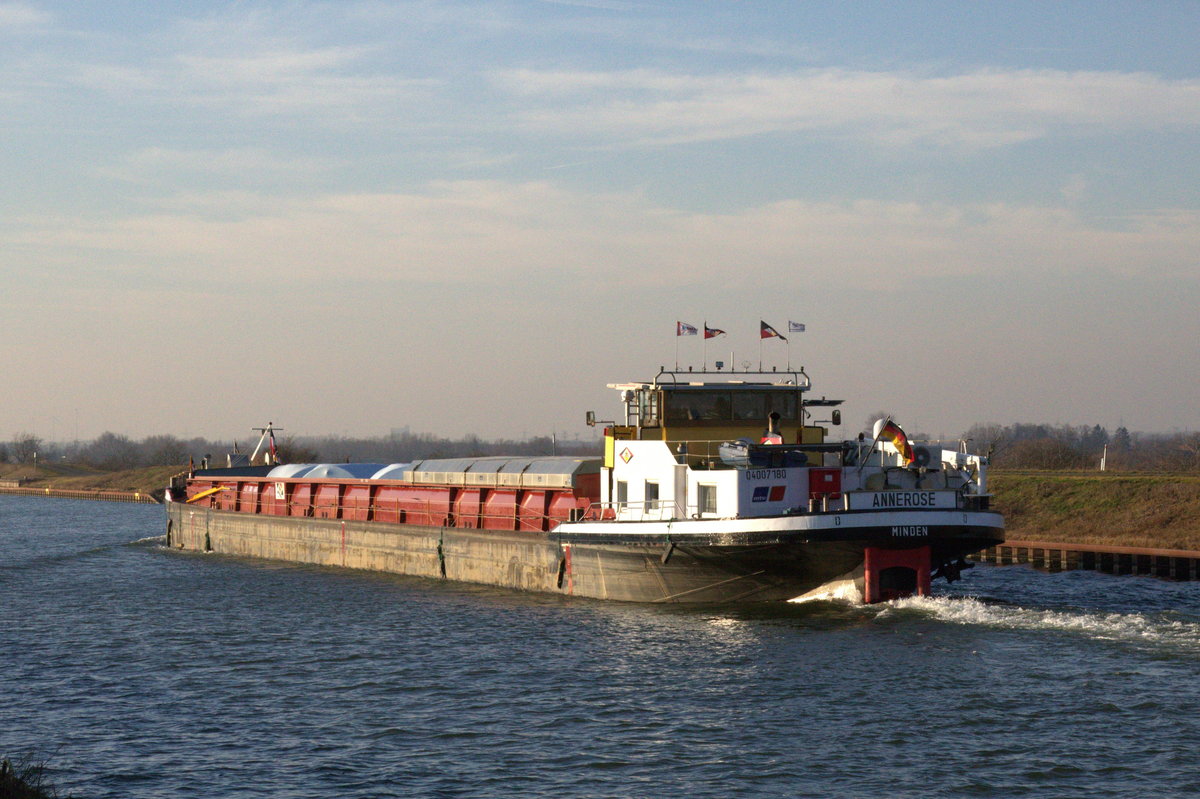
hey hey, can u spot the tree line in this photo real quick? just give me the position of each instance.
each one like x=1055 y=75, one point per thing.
x=1015 y=446
x=113 y=452
x=1043 y=446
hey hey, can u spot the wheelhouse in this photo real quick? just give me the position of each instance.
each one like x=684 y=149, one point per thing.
x=693 y=407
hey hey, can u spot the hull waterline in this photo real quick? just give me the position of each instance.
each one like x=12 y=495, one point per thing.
x=672 y=566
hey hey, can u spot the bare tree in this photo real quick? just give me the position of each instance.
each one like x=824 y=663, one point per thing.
x=25 y=447
x=111 y=451
x=1188 y=447
x=1041 y=453
x=989 y=439
x=163 y=450
x=289 y=451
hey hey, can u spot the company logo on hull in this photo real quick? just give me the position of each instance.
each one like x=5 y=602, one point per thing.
x=769 y=493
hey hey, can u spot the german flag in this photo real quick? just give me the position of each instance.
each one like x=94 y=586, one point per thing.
x=892 y=432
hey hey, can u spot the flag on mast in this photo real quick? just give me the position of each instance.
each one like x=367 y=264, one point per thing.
x=892 y=432
x=766 y=331
x=712 y=332
x=684 y=329
x=795 y=327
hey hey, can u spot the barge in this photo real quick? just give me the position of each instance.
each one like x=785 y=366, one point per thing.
x=713 y=487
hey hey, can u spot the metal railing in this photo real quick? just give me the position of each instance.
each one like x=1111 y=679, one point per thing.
x=705 y=454
x=650 y=510
x=699 y=453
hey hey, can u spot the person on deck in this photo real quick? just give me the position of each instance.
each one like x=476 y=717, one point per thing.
x=772 y=435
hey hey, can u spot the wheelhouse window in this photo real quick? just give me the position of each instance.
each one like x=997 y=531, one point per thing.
x=694 y=406
x=738 y=405
x=648 y=408
x=784 y=404
x=706 y=498
x=749 y=405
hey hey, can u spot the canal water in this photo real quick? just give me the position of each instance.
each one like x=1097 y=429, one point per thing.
x=138 y=671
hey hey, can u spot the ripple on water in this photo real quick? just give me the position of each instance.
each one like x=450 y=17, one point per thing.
x=145 y=672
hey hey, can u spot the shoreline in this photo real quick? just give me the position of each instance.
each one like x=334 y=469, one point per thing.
x=98 y=495
x=1076 y=510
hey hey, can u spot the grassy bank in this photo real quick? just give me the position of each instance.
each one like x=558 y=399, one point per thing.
x=149 y=480
x=1139 y=510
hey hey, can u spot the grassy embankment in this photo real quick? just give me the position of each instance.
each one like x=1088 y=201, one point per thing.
x=149 y=480
x=1122 y=509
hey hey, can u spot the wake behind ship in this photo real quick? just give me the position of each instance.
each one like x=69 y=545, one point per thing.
x=714 y=487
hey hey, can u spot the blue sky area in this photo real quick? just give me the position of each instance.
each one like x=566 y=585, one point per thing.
x=469 y=217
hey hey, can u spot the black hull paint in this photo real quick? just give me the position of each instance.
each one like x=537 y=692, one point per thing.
x=746 y=567
x=733 y=571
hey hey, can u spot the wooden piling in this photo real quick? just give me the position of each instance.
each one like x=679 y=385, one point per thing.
x=90 y=494
x=1165 y=564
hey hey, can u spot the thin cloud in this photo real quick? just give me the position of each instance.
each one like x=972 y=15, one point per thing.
x=243 y=165
x=297 y=80
x=491 y=233
x=983 y=280
x=599 y=5
x=13 y=15
x=976 y=110
x=244 y=66
x=277 y=66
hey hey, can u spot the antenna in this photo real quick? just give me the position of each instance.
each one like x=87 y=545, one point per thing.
x=267 y=432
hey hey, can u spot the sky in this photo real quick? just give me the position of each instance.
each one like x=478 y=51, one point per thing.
x=469 y=217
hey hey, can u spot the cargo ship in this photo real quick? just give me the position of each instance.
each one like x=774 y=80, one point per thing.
x=713 y=487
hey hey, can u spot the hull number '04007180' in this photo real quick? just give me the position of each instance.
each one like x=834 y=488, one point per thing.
x=766 y=474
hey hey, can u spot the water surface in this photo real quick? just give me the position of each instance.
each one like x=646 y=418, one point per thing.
x=140 y=671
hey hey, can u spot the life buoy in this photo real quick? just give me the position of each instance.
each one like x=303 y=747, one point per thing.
x=921 y=456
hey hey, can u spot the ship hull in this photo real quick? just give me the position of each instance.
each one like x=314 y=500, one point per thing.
x=711 y=561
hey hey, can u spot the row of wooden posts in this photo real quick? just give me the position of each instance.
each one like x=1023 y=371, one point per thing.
x=1169 y=564
x=92 y=494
